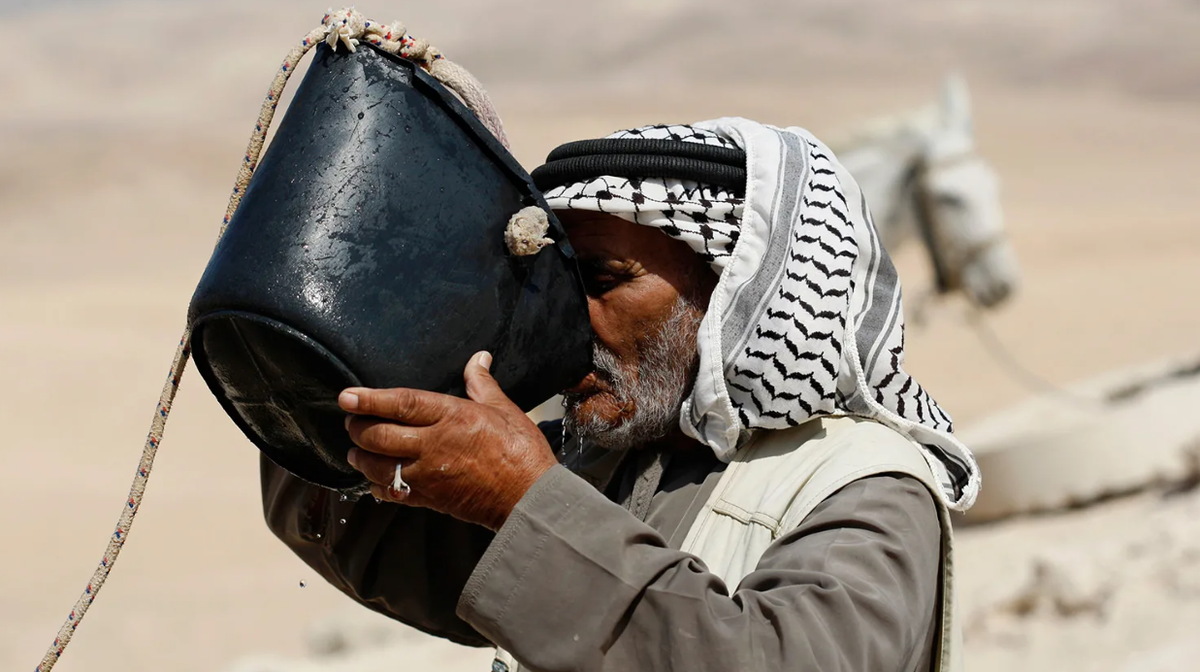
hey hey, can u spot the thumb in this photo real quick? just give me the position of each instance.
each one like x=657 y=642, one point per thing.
x=481 y=386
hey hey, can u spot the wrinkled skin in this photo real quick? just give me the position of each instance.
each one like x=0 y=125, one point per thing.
x=634 y=275
x=470 y=458
x=475 y=458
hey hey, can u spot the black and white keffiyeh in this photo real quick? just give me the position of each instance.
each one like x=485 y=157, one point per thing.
x=806 y=320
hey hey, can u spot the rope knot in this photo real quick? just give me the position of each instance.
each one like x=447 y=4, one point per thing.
x=348 y=27
x=344 y=27
x=526 y=232
x=416 y=49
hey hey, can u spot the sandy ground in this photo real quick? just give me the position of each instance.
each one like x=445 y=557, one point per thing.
x=119 y=144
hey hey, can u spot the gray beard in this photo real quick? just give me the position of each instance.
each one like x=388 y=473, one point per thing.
x=657 y=384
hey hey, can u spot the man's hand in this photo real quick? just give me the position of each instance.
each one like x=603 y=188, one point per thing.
x=472 y=459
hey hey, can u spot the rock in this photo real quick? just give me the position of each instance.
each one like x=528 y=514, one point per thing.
x=1117 y=433
x=1062 y=587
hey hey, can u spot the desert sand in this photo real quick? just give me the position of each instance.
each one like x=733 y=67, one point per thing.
x=121 y=126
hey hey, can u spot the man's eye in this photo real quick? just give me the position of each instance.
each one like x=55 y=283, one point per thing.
x=600 y=283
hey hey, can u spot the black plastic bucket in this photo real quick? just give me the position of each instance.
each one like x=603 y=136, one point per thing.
x=369 y=250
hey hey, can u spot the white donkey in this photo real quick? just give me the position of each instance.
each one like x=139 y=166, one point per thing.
x=922 y=178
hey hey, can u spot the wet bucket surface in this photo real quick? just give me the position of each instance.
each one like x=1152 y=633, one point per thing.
x=369 y=250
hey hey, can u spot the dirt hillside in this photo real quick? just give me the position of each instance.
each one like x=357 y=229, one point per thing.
x=121 y=126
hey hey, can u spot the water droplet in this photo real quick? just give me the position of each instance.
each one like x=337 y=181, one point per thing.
x=361 y=115
x=342 y=521
x=318 y=535
x=343 y=498
x=303 y=583
x=378 y=500
x=407 y=128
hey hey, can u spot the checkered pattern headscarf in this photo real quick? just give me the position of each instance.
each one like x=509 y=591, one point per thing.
x=706 y=218
x=806 y=319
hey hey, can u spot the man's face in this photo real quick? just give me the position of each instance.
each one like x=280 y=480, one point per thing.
x=647 y=294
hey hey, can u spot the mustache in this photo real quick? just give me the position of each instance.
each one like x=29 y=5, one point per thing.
x=652 y=386
x=605 y=363
x=680 y=325
x=607 y=369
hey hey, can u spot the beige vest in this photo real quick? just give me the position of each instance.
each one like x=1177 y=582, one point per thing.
x=777 y=479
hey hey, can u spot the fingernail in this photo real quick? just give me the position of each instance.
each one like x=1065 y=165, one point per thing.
x=347 y=423
x=485 y=360
x=348 y=400
x=352 y=457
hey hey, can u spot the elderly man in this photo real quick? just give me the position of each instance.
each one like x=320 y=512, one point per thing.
x=748 y=480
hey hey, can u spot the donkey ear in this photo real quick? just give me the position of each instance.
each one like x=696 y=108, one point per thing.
x=956 y=104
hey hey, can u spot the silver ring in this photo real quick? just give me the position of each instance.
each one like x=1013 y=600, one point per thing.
x=398 y=483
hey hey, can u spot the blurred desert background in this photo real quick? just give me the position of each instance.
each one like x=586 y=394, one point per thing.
x=122 y=125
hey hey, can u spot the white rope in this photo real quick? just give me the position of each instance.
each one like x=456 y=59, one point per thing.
x=348 y=28
x=343 y=28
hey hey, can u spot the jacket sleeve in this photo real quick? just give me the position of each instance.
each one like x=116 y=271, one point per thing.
x=407 y=563
x=574 y=582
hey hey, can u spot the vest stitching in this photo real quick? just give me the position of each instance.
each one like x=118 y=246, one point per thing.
x=727 y=508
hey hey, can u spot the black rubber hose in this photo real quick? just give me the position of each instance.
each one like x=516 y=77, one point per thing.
x=577 y=169
x=728 y=156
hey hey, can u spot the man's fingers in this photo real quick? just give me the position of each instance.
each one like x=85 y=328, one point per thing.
x=379 y=469
x=410 y=498
x=385 y=437
x=481 y=386
x=411 y=407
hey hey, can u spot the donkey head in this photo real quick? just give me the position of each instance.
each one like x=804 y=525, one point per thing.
x=958 y=207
